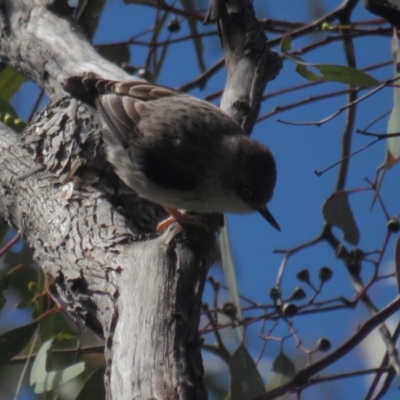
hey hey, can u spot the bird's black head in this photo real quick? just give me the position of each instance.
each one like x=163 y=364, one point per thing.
x=256 y=178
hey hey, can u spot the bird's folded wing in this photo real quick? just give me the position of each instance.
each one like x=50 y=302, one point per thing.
x=120 y=103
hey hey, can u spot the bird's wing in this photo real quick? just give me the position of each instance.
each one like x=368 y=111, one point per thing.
x=120 y=103
x=162 y=129
x=122 y=106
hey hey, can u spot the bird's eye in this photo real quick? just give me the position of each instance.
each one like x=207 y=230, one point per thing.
x=246 y=192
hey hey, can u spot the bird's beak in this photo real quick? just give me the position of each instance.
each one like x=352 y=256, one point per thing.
x=263 y=210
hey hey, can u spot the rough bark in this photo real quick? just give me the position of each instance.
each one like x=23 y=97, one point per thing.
x=249 y=61
x=142 y=293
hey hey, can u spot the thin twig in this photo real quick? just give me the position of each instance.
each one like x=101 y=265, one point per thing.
x=302 y=377
x=347 y=106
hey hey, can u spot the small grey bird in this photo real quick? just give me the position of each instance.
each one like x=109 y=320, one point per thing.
x=179 y=151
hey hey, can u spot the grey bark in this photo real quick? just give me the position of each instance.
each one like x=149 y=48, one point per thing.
x=142 y=293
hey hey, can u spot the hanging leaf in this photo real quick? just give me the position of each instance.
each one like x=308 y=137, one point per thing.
x=5 y=282
x=14 y=341
x=393 y=144
x=4 y=228
x=159 y=27
x=284 y=372
x=154 y=39
x=6 y=109
x=189 y=6
x=56 y=325
x=337 y=212
x=397 y=263
x=94 y=389
x=246 y=381
x=90 y=17
x=10 y=81
x=44 y=380
x=116 y=53
x=392 y=154
x=329 y=72
x=228 y=266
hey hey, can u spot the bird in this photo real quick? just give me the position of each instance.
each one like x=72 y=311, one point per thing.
x=178 y=151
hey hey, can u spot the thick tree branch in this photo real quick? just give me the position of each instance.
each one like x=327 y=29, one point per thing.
x=47 y=47
x=249 y=61
x=142 y=295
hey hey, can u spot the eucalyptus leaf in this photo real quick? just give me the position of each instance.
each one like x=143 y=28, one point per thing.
x=337 y=211
x=14 y=341
x=90 y=17
x=157 y=32
x=397 y=263
x=116 y=53
x=392 y=153
x=4 y=228
x=159 y=64
x=189 y=6
x=393 y=144
x=44 y=380
x=5 y=282
x=246 y=381
x=93 y=389
x=10 y=81
x=228 y=266
x=284 y=372
x=347 y=75
x=329 y=72
x=6 y=108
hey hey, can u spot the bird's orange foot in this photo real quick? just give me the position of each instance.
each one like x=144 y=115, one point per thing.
x=182 y=218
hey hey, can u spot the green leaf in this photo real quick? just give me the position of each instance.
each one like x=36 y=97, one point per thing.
x=306 y=73
x=44 y=380
x=5 y=282
x=284 y=372
x=3 y=230
x=228 y=266
x=89 y=19
x=286 y=46
x=55 y=325
x=38 y=302
x=329 y=72
x=94 y=389
x=10 y=81
x=14 y=341
x=397 y=263
x=392 y=154
x=347 y=75
x=189 y=6
x=6 y=108
x=159 y=27
x=154 y=39
x=393 y=144
x=336 y=211
x=116 y=53
x=337 y=73
x=160 y=63
x=246 y=382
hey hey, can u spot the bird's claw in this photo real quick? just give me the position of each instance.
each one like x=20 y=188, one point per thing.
x=183 y=219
